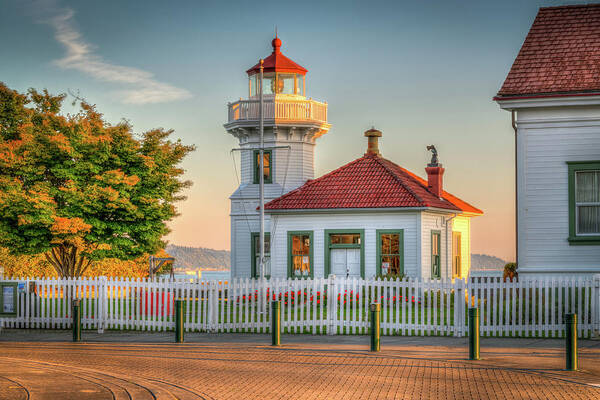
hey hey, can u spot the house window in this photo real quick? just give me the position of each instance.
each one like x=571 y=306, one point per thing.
x=584 y=202
x=267 y=166
x=456 y=254
x=300 y=254
x=256 y=254
x=390 y=252
x=345 y=253
x=436 y=270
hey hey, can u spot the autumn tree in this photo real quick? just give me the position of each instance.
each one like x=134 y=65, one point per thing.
x=78 y=189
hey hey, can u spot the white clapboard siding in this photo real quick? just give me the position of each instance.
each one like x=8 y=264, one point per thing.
x=413 y=306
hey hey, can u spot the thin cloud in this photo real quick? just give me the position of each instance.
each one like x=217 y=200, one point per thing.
x=142 y=88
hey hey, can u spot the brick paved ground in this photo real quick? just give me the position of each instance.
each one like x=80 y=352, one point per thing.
x=44 y=365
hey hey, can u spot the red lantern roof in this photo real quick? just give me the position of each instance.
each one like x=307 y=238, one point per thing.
x=277 y=62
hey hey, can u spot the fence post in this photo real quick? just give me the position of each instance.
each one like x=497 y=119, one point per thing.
x=102 y=305
x=331 y=306
x=596 y=306
x=459 y=299
x=571 y=341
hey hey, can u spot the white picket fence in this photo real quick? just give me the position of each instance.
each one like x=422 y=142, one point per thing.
x=316 y=306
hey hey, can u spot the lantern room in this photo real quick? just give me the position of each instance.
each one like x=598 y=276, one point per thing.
x=281 y=76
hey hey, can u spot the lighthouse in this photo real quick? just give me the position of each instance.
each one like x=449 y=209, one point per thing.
x=291 y=125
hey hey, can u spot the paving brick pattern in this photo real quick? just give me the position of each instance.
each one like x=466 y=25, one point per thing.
x=215 y=370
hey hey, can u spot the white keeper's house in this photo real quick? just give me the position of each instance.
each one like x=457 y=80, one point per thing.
x=367 y=218
x=553 y=92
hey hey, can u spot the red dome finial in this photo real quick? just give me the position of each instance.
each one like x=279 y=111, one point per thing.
x=276 y=44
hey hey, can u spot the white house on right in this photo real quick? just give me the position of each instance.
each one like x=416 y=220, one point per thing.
x=553 y=92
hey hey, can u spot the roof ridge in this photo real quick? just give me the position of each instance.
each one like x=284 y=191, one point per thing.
x=397 y=179
x=571 y=6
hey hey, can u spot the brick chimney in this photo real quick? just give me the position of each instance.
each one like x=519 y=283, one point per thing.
x=435 y=174
x=373 y=144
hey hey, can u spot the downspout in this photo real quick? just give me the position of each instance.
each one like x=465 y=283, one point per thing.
x=514 y=126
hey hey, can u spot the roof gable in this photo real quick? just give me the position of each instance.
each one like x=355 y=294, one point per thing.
x=367 y=182
x=561 y=54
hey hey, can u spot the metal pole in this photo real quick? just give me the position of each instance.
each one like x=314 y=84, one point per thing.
x=375 y=326
x=571 y=341
x=473 y=333
x=261 y=175
x=276 y=323
x=179 y=321
x=76 y=320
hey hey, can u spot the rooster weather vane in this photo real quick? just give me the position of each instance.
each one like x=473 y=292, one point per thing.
x=434 y=156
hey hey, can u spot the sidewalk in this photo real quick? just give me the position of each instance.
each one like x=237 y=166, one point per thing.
x=306 y=366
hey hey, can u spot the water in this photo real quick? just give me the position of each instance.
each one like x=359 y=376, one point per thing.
x=207 y=276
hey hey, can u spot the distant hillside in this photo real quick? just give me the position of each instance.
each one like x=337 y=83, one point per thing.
x=192 y=258
x=483 y=261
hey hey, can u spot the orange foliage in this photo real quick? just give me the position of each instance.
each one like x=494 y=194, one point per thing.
x=67 y=226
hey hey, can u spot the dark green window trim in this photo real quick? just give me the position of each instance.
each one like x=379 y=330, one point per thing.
x=329 y=246
x=439 y=234
x=573 y=238
x=15 y=296
x=387 y=231
x=310 y=252
x=255 y=166
x=254 y=273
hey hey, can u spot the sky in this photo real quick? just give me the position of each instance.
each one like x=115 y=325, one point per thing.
x=422 y=72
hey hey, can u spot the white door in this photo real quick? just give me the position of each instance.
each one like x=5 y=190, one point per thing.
x=353 y=262
x=337 y=259
x=345 y=262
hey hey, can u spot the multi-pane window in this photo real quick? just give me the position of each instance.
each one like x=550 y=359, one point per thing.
x=300 y=254
x=256 y=255
x=587 y=202
x=456 y=254
x=436 y=270
x=267 y=166
x=584 y=202
x=390 y=253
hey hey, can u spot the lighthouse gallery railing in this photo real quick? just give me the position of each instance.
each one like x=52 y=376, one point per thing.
x=291 y=110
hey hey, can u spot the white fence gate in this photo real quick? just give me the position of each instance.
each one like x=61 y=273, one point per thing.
x=330 y=306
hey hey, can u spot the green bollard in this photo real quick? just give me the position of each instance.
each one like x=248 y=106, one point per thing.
x=571 y=341
x=276 y=323
x=375 y=326
x=179 y=321
x=473 y=333
x=77 y=320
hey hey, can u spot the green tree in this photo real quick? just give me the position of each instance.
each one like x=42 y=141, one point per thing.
x=78 y=189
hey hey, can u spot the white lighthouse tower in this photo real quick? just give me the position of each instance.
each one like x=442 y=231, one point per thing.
x=292 y=123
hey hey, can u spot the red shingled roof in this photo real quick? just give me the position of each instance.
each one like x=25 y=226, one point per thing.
x=367 y=182
x=277 y=62
x=561 y=54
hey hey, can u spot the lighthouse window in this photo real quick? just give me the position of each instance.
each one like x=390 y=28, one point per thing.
x=267 y=166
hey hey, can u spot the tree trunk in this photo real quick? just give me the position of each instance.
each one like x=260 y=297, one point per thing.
x=67 y=262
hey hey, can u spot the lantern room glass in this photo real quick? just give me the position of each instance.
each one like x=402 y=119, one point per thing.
x=277 y=83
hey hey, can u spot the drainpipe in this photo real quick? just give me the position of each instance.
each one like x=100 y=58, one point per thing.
x=514 y=126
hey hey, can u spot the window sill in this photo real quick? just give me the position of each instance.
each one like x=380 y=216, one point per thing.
x=584 y=240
